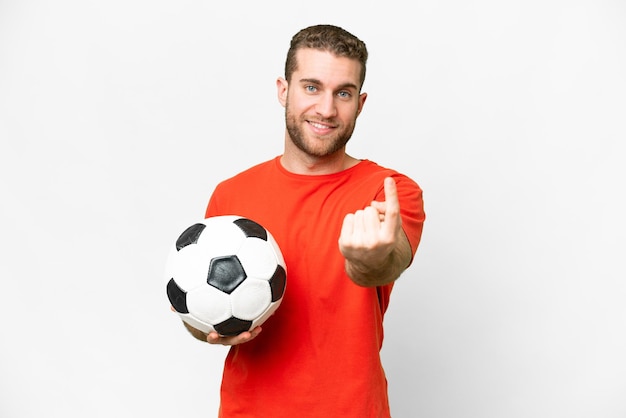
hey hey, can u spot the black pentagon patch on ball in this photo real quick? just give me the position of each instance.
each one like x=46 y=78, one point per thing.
x=177 y=297
x=251 y=228
x=232 y=326
x=277 y=283
x=189 y=236
x=226 y=273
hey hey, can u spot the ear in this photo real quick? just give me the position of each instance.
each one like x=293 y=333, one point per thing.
x=281 y=89
x=362 y=98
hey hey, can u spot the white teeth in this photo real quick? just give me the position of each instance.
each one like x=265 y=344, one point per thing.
x=318 y=125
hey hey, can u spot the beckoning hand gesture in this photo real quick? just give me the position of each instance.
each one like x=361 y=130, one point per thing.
x=373 y=242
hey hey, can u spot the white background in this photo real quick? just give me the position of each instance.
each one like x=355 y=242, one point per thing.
x=118 y=118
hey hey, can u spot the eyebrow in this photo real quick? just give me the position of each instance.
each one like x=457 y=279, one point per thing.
x=318 y=82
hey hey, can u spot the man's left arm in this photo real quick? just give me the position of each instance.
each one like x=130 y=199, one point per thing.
x=373 y=243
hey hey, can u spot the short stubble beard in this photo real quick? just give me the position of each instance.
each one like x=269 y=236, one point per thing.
x=298 y=137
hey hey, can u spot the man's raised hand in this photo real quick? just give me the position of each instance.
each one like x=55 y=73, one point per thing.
x=372 y=241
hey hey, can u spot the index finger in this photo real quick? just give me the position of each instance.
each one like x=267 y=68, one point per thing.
x=391 y=221
x=391 y=196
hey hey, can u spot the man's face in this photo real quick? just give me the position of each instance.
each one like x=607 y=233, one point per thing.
x=322 y=102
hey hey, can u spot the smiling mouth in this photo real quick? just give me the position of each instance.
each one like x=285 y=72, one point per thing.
x=320 y=126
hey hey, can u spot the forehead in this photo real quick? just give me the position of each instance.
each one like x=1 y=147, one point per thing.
x=326 y=67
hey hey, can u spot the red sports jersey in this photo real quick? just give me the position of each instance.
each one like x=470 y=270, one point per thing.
x=319 y=354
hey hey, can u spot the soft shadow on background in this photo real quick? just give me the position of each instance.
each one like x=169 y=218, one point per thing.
x=118 y=118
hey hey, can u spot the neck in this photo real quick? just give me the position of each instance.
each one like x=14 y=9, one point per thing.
x=301 y=163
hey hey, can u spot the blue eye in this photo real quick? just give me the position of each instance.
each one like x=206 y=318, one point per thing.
x=310 y=89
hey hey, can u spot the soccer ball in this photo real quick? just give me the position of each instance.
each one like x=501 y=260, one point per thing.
x=225 y=274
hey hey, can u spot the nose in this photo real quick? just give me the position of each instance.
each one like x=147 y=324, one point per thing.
x=325 y=106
